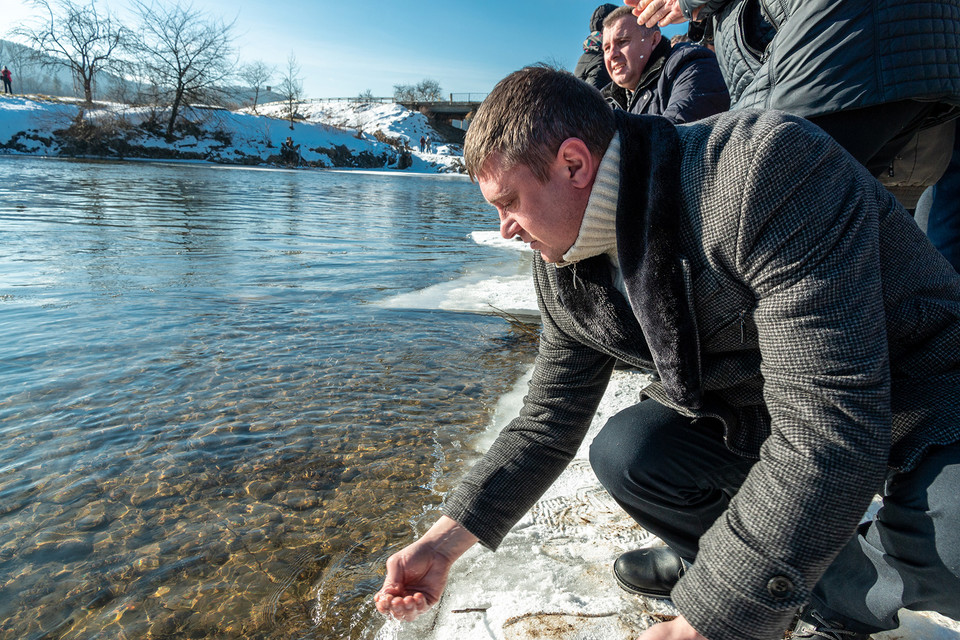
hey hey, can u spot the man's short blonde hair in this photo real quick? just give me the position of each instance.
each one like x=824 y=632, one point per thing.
x=530 y=113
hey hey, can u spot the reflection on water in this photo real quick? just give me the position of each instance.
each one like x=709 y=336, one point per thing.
x=208 y=427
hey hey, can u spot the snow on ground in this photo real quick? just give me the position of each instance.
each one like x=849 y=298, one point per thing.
x=393 y=120
x=505 y=288
x=552 y=576
x=27 y=125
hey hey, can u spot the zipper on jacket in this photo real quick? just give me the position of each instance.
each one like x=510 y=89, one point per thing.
x=743 y=326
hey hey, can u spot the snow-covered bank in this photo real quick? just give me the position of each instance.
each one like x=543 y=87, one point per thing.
x=331 y=134
x=552 y=576
x=504 y=289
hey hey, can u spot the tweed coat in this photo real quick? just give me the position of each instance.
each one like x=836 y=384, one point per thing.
x=773 y=284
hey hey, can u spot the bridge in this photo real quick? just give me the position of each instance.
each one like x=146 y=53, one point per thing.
x=453 y=111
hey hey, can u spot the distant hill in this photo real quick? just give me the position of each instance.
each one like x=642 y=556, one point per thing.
x=32 y=77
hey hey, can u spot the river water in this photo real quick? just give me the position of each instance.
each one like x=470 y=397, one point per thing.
x=210 y=424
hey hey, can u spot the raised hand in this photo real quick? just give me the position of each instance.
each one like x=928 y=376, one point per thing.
x=653 y=13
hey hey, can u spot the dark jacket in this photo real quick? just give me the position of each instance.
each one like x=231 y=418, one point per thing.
x=590 y=67
x=681 y=83
x=813 y=319
x=812 y=57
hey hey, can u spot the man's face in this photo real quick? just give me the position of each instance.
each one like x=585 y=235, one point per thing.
x=546 y=216
x=626 y=51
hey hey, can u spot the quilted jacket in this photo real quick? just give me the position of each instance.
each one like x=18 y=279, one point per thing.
x=812 y=57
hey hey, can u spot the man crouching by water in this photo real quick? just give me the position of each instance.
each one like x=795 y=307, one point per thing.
x=805 y=341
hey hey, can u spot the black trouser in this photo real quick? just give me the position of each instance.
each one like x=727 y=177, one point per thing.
x=675 y=477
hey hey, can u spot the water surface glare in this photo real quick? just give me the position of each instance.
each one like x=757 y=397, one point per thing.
x=208 y=426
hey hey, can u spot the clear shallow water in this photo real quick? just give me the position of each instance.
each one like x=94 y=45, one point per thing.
x=208 y=426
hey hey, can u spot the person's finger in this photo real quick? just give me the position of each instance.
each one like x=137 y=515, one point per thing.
x=407 y=608
x=650 y=16
x=639 y=6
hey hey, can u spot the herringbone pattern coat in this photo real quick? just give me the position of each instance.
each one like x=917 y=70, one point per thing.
x=772 y=284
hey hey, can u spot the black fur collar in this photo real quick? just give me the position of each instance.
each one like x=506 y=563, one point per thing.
x=648 y=244
x=657 y=326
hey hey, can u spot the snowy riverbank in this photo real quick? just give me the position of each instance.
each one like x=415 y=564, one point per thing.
x=330 y=134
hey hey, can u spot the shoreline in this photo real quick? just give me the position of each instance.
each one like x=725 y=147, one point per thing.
x=345 y=136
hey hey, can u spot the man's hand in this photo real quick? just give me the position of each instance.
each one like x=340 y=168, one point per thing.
x=658 y=13
x=676 y=629
x=417 y=575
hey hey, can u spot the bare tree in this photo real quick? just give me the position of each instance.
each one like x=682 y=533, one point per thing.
x=291 y=88
x=257 y=74
x=426 y=90
x=429 y=90
x=77 y=36
x=188 y=55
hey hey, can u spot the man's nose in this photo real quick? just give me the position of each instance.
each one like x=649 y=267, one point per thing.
x=508 y=228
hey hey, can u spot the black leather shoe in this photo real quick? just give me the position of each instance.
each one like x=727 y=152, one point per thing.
x=649 y=572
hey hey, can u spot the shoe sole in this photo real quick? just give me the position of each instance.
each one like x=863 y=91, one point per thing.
x=650 y=593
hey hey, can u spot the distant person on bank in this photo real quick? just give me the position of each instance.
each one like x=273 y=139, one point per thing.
x=804 y=340
x=7 y=80
x=682 y=83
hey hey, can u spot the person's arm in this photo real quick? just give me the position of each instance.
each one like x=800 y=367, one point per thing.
x=806 y=243
x=568 y=381
x=417 y=575
x=661 y=13
x=697 y=90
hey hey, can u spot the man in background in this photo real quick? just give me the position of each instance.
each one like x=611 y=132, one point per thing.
x=682 y=83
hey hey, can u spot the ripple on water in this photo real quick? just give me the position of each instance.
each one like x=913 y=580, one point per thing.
x=206 y=430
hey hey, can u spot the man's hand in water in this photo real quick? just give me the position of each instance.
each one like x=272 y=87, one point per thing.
x=417 y=575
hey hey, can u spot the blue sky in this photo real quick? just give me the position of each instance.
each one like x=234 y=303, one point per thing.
x=344 y=48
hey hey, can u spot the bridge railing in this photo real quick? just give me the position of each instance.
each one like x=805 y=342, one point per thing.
x=467 y=97
x=381 y=100
x=453 y=97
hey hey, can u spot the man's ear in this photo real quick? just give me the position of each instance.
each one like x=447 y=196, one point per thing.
x=577 y=162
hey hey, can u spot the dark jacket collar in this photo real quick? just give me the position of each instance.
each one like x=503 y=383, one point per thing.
x=648 y=243
x=656 y=323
